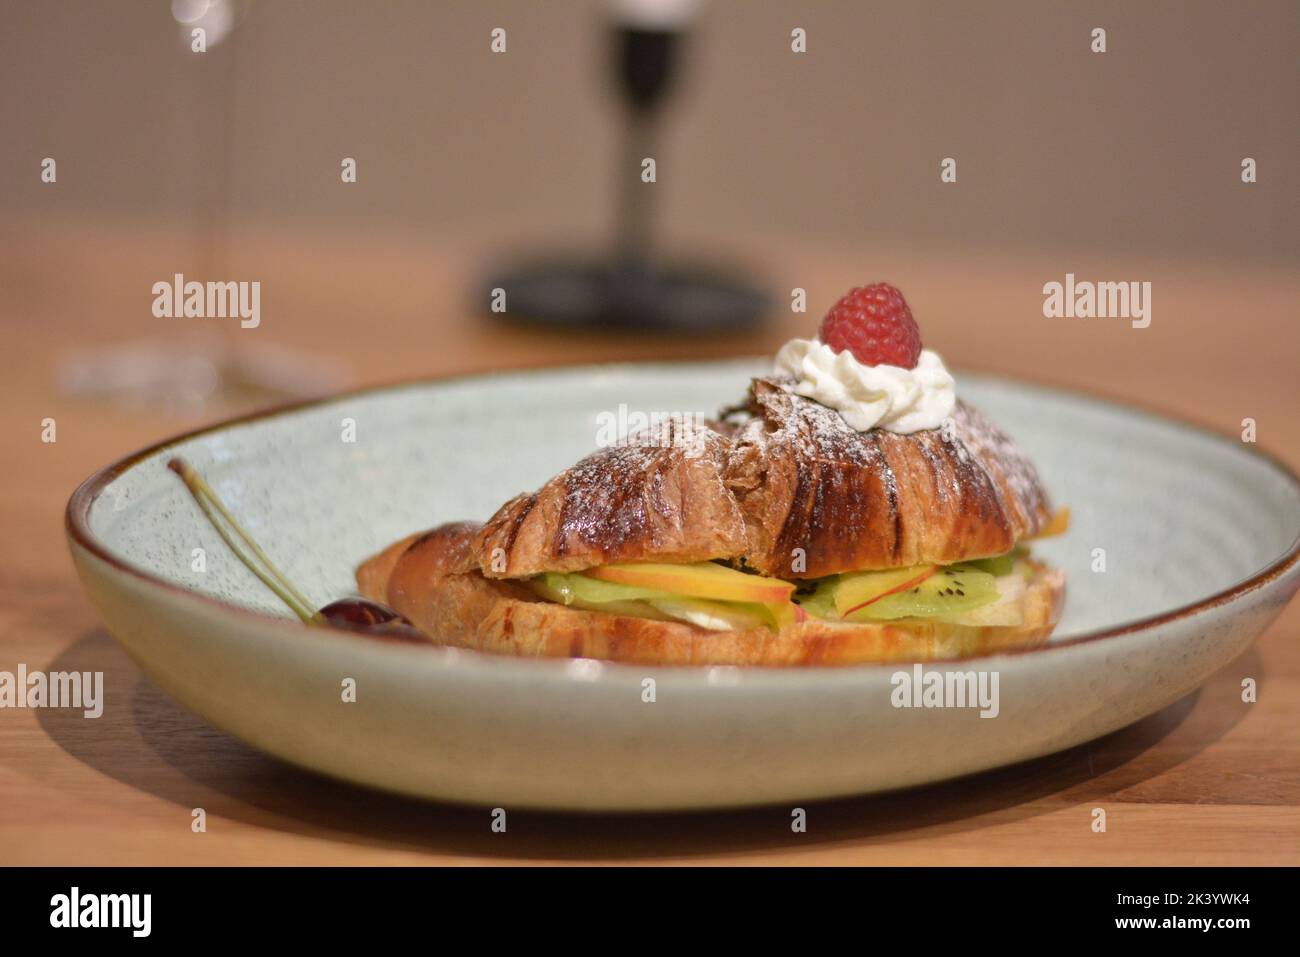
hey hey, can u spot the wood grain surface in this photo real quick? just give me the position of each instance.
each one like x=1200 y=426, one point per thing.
x=1208 y=780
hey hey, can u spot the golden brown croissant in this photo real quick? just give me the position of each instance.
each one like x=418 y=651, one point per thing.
x=791 y=492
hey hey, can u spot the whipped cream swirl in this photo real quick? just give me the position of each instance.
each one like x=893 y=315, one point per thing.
x=870 y=397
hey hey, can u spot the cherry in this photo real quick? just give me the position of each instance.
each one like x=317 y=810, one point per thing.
x=353 y=614
x=362 y=614
x=358 y=611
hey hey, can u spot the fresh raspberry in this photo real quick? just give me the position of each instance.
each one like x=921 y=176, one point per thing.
x=874 y=323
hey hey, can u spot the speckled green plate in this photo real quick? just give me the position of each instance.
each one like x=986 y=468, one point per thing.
x=1197 y=536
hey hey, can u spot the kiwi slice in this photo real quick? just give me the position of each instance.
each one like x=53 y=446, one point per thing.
x=556 y=587
x=1000 y=565
x=997 y=566
x=820 y=602
x=592 y=594
x=950 y=591
x=573 y=588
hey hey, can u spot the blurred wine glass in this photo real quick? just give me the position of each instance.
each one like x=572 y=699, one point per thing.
x=630 y=289
x=183 y=377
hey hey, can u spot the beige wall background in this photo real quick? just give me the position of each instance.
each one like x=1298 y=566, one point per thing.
x=1135 y=149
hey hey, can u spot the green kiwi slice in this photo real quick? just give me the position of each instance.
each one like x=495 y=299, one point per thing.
x=1000 y=565
x=952 y=590
x=997 y=566
x=572 y=588
x=820 y=602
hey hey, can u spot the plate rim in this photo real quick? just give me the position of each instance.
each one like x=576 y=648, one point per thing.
x=79 y=532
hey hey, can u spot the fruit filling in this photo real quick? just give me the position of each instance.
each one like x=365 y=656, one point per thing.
x=705 y=594
x=987 y=591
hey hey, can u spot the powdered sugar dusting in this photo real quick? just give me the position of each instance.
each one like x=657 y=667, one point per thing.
x=818 y=431
x=997 y=452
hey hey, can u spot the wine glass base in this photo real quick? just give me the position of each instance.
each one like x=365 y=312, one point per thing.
x=188 y=378
x=616 y=298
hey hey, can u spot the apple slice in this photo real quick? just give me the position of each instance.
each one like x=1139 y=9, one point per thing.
x=784 y=613
x=859 y=589
x=698 y=580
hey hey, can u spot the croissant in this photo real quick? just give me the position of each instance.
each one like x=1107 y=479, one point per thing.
x=782 y=490
x=794 y=477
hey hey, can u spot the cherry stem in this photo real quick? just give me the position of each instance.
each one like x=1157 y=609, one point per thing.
x=269 y=575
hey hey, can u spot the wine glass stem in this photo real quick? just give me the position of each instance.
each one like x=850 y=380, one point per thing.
x=635 y=194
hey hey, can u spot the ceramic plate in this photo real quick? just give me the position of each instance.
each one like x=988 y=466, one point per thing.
x=1182 y=549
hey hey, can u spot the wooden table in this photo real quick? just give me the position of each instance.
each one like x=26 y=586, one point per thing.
x=1208 y=780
